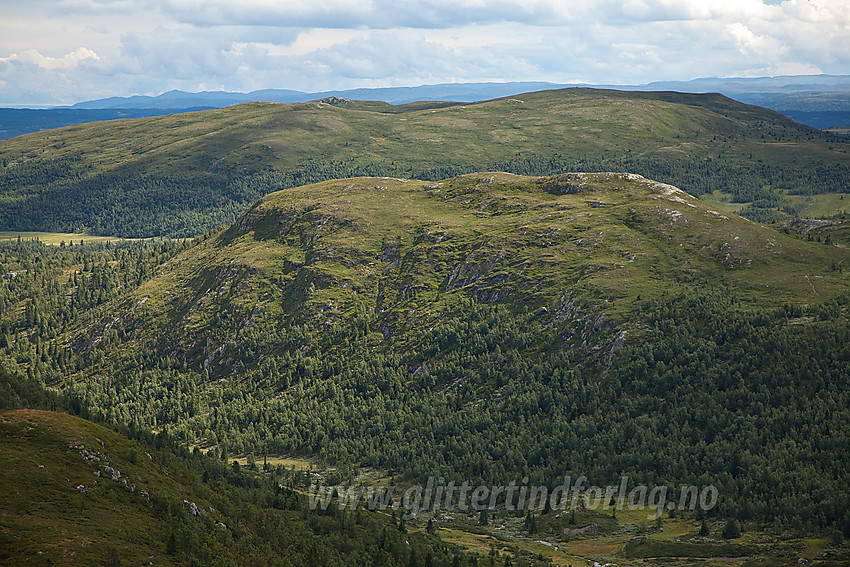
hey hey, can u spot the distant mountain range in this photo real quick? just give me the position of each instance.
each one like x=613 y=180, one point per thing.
x=822 y=101
x=184 y=174
x=453 y=92
x=753 y=91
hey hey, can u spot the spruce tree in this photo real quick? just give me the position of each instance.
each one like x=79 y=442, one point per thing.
x=731 y=530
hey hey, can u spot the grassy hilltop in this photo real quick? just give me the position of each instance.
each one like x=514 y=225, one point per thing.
x=380 y=308
x=406 y=250
x=180 y=175
x=76 y=493
x=416 y=327
x=485 y=327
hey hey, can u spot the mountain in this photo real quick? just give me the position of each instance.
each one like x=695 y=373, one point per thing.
x=766 y=86
x=487 y=328
x=402 y=248
x=171 y=100
x=414 y=327
x=457 y=92
x=19 y=121
x=822 y=101
x=809 y=100
x=73 y=492
x=521 y=311
x=764 y=90
x=16 y=122
x=180 y=175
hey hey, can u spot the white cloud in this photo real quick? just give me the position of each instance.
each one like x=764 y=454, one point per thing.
x=781 y=69
x=411 y=56
x=68 y=50
x=34 y=78
x=367 y=14
x=750 y=43
x=32 y=58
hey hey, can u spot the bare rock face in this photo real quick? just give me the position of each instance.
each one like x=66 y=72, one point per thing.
x=335 y=100
x=194 y=511
x=566 y=184
x=805 y=225
x=589 y=529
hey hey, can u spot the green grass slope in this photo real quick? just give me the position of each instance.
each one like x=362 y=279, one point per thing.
x=488 y=327
x=180 y=175
x=406 y=251
x=55 y=510
x=76 y=493
x=319 y=287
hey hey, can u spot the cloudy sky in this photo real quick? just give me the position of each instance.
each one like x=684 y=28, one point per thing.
x=65 y=51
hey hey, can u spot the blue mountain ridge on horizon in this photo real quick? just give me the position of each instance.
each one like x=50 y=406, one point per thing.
x=821 y=101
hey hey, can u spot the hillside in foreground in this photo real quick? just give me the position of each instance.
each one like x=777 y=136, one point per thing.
x=76 y=493
x=492 y=325
x=405 y=251
x=59 y=500
x=484 y=328
x=181 y=175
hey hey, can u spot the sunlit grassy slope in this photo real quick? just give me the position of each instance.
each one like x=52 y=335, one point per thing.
x=187 y=172
x=76 y=493
x=56 y=511
x=57 y=238
x=578 y=122
x=407 y=251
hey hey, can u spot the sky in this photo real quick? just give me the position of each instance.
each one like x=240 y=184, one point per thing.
x=65 y=51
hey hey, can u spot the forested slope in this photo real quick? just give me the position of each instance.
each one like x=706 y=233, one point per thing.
x=181 y=175
x=486 y=327
x=76 y=493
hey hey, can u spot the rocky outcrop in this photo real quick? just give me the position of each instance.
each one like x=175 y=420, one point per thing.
x=335 y=100
x=803 y=226
x=566 y=184
x=589 y=529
